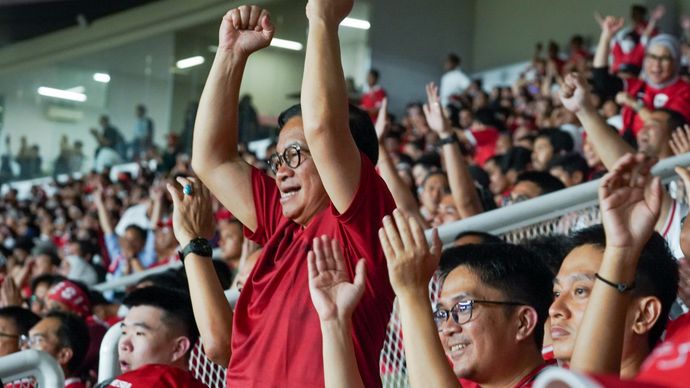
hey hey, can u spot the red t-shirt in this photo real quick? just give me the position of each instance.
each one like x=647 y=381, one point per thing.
x=484 y=143
x=634 y=57
x=669 y=363
x=276 y=338
x=74 y=382
x=371 y=101
x=675 y=97
x=525 y=382
x=156 y=376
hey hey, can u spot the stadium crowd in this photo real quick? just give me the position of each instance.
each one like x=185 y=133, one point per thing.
x=290 y=265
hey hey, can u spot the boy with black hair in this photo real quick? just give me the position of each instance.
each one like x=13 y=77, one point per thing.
x=571 y=169
x=532 y=184
x=549 y=143
x=14 y=322
x=158 y=336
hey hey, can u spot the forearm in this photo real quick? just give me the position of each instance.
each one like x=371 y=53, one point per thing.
x=212 y=312
x=339 y=362
x=402 y=195
x=599 y=345
x=215 y=128
x=104 y=219
x=601 y=56
x=426 y=361
x=607 y=143
x=461 y=182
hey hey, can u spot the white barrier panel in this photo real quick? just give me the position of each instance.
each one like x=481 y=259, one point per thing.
x=108 y=360
x=125 y=281
x=32 y=363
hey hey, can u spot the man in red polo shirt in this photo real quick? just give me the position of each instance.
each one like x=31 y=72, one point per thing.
x=325 y=183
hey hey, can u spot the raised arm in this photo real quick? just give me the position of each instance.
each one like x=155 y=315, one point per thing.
x=403 y=197
x=630 y=201
x=610 y=25
x=461 y=182
x=104 y=218
x=658 y=13
x=215 y=159
x=193 y=218
x=411 y=264
x=335 y=299
x=325 y=104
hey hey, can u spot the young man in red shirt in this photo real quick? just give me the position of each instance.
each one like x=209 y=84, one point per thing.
x=158 y=335
x=325 y=183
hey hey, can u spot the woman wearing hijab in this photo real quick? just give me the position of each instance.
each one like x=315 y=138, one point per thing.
x=659 y=85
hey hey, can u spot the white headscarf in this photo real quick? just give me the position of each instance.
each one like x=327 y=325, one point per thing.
x=80 y=270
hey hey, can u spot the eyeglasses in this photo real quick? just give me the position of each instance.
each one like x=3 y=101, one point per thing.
x=292 y=157
x=462 y=311
x=662 y=58
x=27 y=342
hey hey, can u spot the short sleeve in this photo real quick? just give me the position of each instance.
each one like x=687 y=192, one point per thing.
x=266 y=206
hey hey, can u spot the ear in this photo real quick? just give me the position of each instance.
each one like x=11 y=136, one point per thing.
x=527 y=320
x=647 y=312
x=182 y=344
x=64 y=355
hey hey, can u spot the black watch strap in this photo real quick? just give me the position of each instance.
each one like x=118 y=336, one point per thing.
x=452 y=139
x=199 y=246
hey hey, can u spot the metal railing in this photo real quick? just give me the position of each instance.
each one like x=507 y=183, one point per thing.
x=39 y=365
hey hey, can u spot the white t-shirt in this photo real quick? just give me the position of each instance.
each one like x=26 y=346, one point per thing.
x=452 y=83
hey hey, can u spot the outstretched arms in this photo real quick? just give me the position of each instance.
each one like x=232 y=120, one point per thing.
x=325 y=104
x=215 y=159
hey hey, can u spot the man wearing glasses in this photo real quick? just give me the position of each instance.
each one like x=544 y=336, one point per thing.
x=14 y=321
x=63 y=336
x=491 y=312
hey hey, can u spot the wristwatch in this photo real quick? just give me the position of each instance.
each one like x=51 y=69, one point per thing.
x=451 y=139
x=199 y=246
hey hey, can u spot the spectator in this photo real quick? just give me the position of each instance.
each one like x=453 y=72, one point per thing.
x=571 y=169
x=109 y=138
x=371 y=99
x=65 y=337
x=532 y=184
x=15 y=322
x=321 y=165
x=550 y=143
x=158 y=336
x=143 y=133
x=454 y=81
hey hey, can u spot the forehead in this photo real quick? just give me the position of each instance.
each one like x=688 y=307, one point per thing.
x=291 y=133
x=7 y=325
x=436 y=179
x=45 y=326
x=527 y=188
x=659 y=50
x=463 y=283
x=585 y=259
x=149 y=315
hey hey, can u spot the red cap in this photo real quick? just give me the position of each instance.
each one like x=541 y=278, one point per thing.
x=72 y=296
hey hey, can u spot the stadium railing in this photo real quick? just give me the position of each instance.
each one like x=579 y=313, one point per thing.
x=559 y=212
x=31 y=368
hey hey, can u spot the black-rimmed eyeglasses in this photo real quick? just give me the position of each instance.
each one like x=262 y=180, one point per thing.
x=462 y=311
x=291 y=156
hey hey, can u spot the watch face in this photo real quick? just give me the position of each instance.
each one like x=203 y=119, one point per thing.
x=201 y=247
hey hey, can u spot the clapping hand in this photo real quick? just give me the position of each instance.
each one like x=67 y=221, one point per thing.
x=630 y=200
x=332 y=294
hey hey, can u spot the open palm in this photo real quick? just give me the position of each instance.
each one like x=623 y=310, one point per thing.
x=630 y=201
x=332 y=294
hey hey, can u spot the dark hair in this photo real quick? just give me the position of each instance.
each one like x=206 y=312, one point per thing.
x=570 y=163
x=435 y=173
x=675 y=119
x=484 y=237
x=23 y=319
x=374 y=73
x=361 y=128
x=513 y=270
x=171 y=279
x=517 y=158
x=138 y=230
x=656 y=275
x=51 y=279
x=547 y=183
x=72 y=333
x=176 y=306
x=551 y=249
x=560 y=140
x=453 y=58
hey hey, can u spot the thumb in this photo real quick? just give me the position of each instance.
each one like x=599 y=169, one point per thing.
x=436 y=246
x=266 y=24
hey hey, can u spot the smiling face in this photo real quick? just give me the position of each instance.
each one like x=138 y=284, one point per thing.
x=659 y=65
x=301 y=190
x=486 y=342
x=653 y=138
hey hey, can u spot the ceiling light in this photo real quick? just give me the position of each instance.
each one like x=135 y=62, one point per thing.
x=190 y=62
x=101 y=77
x=286 y=44
x=63 y=94
x=356 y=23
x=76 y=89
